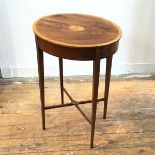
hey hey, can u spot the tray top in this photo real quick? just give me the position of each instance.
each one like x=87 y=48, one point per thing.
x=77 y=30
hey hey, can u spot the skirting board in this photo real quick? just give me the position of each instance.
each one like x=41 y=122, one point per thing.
x=140 y=68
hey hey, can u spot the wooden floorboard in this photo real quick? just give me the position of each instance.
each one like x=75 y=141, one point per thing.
x=128 y=130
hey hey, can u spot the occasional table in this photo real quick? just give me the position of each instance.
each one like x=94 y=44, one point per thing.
x=77 y=37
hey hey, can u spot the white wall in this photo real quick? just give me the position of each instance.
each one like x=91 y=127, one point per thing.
x=136 y=52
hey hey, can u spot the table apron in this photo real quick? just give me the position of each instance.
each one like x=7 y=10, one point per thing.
x=83 y=54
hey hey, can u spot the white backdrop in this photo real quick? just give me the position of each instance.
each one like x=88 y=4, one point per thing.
x=136 y=52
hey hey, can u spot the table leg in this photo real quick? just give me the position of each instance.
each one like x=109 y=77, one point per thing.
x=107 y=83
x=61 y=79
x=41 y=81
x=96 y=72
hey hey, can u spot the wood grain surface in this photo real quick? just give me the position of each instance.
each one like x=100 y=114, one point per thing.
x=128 y=130
x=77 y=30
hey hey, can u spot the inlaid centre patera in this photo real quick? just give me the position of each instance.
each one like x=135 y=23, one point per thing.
x=76 y=28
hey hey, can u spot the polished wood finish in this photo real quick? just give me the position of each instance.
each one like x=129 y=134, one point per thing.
x=77 y=53
x=61 y=79
x=107 y=83
x=56 y=38
x=77 y=37
x=96 y=74
x=73 y=103
x=77 y=30
x=41 y=81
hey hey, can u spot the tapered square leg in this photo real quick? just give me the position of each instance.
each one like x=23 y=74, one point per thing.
x=107 y=83
x=96 y=72
x=41 y=81
x=61 y=79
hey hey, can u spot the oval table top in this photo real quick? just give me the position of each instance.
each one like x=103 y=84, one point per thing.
x=77 y=30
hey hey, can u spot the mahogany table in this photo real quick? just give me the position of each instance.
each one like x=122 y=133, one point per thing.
x=77 y=37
